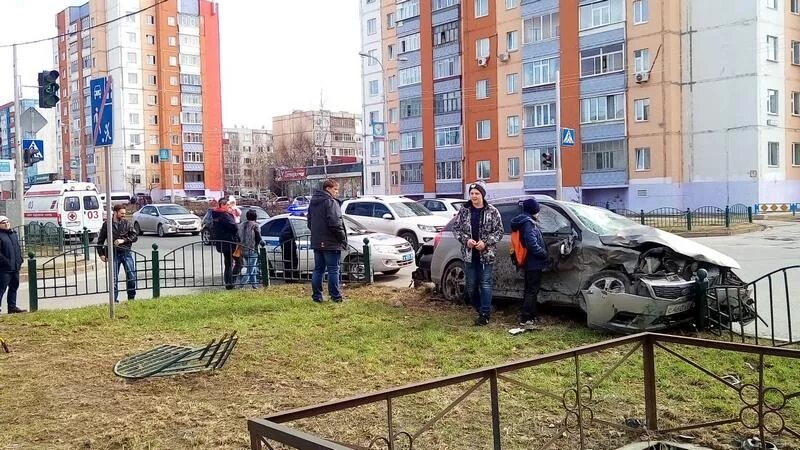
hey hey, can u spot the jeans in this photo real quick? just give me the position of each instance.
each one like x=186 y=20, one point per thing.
x=478 y=286
x=326 y=260
x=10 y=281
x=251 y=265
x=125 y=259
x=227 y=263
x=533 y=281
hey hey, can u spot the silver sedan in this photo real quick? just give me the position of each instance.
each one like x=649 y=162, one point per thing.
x=164 y=219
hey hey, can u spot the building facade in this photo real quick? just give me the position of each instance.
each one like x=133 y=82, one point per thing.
x=248 y=156
x=658 y=104
x=50 y=166
x=164 y=63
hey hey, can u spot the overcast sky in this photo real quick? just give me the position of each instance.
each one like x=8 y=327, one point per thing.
x=277 y=55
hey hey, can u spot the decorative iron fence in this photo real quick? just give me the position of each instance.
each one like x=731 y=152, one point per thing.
x=673 y=219
x=581 y=408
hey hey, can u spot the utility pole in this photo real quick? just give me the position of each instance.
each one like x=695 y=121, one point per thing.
x=559 y=174
x=19 y=185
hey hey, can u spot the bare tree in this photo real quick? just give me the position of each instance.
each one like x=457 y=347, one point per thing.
x=262 y=164
x=132 y=180
x=291 y=152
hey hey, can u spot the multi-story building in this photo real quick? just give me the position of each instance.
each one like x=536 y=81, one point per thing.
x=164 y=65
x=658 y=105
x=51 y=164
x=248 y=160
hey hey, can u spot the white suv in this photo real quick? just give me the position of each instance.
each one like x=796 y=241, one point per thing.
x=396 y=215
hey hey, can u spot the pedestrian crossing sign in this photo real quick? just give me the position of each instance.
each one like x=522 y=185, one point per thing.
x=567 y=137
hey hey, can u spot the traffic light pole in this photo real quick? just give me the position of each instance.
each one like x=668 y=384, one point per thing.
x=559 y=174
x=19 y=186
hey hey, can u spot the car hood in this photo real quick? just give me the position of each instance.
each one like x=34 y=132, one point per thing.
x=637 y=236
x=181 y=216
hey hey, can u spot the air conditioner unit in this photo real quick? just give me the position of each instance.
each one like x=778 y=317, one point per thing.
x=483 y=61
x=503 y=57
x=642 y=77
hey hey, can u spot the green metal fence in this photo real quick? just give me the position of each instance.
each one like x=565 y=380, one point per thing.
x=46 y=239
x=673 y=219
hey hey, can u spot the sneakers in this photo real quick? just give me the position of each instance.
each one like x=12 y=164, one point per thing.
x=337 y=300
x=16 y=310
x=481 y=321
x=532 y=324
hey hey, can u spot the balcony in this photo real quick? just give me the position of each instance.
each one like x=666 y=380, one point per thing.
x=194 y=185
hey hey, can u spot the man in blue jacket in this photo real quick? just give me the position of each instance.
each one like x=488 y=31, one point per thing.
x=10 y=264
x=536 y=259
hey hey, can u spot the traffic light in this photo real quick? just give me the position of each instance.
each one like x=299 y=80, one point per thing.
x=48 y=88
x=547 y=161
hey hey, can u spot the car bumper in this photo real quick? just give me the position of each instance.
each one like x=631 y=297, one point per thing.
x=629 y=313
x=424 y=258
x=172 y=229
x=386 y=262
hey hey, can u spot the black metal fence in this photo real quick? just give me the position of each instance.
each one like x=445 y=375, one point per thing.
x=673 y=219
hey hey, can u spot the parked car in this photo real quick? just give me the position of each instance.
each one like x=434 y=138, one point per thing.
x=389 y=253
x=261 y=218
x=168 y=199
x=445 y=207
x=395 y=215
x=166 y=218
x=625 y=276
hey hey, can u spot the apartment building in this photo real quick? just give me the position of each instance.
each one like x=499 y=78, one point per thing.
x=674 y=103
x=164 y=65
x=248 y=160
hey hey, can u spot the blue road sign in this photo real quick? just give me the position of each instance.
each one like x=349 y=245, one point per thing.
x=568 y=137
x=34 y=149
x=163 y=154
x=102 y=112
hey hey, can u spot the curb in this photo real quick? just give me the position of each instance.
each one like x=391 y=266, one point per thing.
x=723 y=232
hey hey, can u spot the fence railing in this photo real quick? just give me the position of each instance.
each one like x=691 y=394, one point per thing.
x=582 y=408
x=47 y=239
x=673 y=219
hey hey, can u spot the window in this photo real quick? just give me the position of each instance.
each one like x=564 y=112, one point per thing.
x=641 y=61
x=411 y=107
x=600 y=13
x=152 y=120
x=374 y=149
x=195 y=157
x=394 y=114
x=795 y=6
x=601 y=109
x=540 y=159
x=395 y=177
x=135 y=159
x=441 y=4
x=513 y=167
x=772 y=48
x=375 y=178
x=154 y=138
x=796 y=103
x=133 y=78
x=154 y=159
x=411 y=173
x=796 y=154
x=484 y=128
x=132 y=58
x=175 y=120
x=773 y=4
x=541 y=115
x=512 y=80
x=641 y=109
x=133 y=118
x=447 y=102
x=191 y=100
x=151 y=59
x=600 y=156
x=512 y=41
x=482 y=89
x=374 y=117
x=448 y=170
x=176 y=179
x=411 y=140
x=136 y=139
x=152 y=80
x=540 y=72
x=411 y=75
x=373 y=88
x=152 y=100
x=133 y=98
x=190 y=60
x=392 y=80
x=481 y=8
x=484 y=169
x=372 y=26
x=408 y=43
x=448 y=137
x=407 y=10
x=772 y=101
x=150 y=20
x=175 y=139
x=394 y=147
x=151 y=40
x=643 y=159
x=773 y=154
x=390 y=51
x=540 y=28
x=447 y=67
x=796 y=51
x=390 y=21
x=188 y=40
x=482 y=48
x=602 y=60
x=132 y=38
x=445 y=33
x=641 y=11
x=511 y=4
x=173 y=61
x=192 y=118
x=512 y=125
x=193 y=79
x=171 y=41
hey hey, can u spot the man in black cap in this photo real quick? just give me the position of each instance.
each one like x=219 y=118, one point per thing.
x=479 y=227
x=536 y=259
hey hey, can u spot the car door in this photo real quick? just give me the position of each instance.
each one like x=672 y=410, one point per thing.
x=362 y=212
x=557 y=284
x=270 y=235
x=305 y=255
x=153 y=220
x=508 y=281
x=379 y=210
x=92 y=214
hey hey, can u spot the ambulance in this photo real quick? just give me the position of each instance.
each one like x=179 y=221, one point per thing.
x=72 y=205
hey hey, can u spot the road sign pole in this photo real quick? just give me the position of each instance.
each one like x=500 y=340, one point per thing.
x=559 y=175
x=19 y=185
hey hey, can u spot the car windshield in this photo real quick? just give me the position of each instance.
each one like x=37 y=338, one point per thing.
x=260 y=213
x=410 y=209
x=172 y=210
x=354 y=228
x=601 y=221
x=458 y=205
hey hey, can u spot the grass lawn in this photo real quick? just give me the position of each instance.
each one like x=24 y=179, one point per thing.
x=57 y=388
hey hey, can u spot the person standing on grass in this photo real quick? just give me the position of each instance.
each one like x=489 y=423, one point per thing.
x=536 y=260
x=328 y=239
x=250 y=239
x=122 y=236
x=225 y=234
x=10 y=264
x=479 y=227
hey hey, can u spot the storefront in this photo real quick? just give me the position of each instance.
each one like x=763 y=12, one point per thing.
x=305 y=180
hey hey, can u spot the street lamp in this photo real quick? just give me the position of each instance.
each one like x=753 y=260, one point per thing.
x=386 y=174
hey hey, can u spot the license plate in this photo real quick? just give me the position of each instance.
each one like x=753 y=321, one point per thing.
x=408 y=257
x=678 y=308
x=187 y=227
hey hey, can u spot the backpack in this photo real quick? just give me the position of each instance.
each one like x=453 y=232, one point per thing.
x=517 y=249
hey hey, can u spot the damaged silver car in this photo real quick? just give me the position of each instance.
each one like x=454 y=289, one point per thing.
x=626 y=277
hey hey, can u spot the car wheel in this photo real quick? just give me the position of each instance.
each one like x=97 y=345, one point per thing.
x=137 y=228
x=610 y=281
x=391 y=272
x=411 y=238
x=205 y=236
x=453 y=282
x=160 y=230
x=356 y=270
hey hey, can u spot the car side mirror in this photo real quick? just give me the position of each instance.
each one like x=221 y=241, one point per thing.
x=388 y=216
x=155 y=214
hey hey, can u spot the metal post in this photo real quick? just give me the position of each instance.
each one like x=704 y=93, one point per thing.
x=262 y=261
x=641 y=216
x=19 y=185
x=559 y=174
x=727 y=217
x=750 y=214
x=495 y=409
x=701 y=304
x=369 y=276
x=85 y=243
x=156 y=273
x=688 y=219
x=649 y=362
x=33 y=288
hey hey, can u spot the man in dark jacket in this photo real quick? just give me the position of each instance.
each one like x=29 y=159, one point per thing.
x=536 y=259
x=225 y=232
x=328 y=239
x=10 y=264
x=123 y=237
